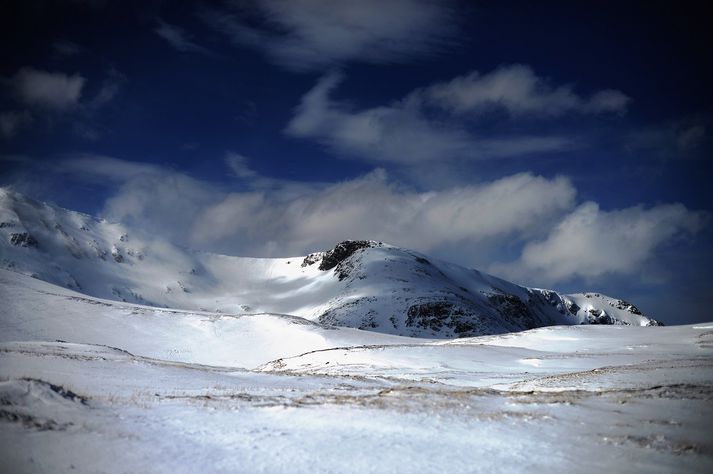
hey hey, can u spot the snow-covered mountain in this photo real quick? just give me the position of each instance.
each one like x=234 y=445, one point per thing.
x=361 y=284
x=88 y=383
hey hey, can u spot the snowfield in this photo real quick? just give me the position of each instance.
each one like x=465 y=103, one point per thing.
x=121 y=353
x=89 y=385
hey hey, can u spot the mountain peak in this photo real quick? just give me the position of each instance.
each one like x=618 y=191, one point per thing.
x=358 y=283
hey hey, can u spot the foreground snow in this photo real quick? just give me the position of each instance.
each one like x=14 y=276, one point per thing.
x=131 y=388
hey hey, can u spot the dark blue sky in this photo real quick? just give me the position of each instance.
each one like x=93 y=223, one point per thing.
x=267 y=120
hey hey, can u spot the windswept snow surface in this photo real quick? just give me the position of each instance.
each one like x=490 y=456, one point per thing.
x=91 y=385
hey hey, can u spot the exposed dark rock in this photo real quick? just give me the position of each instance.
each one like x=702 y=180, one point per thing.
x=312 y=258
x=368 y=321
x=116 y=253
x=598 y=316
x=344 y=250
x=621 y=304
x=23 y=239
x=332 y=316
x=6 y=224
x=434 y=315
x=514 y=309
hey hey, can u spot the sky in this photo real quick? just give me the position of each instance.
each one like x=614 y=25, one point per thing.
x=555 y=144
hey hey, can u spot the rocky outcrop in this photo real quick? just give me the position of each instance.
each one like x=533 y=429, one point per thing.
x=312 y=258
x=437 y=315
x=23 y=239
x=599 y=316
x=513 y=309
x=344 y=250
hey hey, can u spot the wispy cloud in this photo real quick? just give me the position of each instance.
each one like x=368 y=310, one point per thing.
x=179 y=39
x=519 y=91
x=440 y=122
x=681 y=139
x=66 y=48
x=309 y=34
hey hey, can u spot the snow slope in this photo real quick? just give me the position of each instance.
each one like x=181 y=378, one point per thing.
x=35 y=310
x=357 y=284
x=130 y=388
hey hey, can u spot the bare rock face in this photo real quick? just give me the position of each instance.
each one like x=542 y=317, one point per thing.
x=625 y=305
x=23 y=239
x=599 y=316
x=312 y=258
x=344 y=250
x=513 y=308
x=435 y=315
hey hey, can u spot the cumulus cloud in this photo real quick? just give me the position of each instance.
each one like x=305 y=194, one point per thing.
x=53 y=90
x=428 y=124
x=590 y=242
x=271 y=217
x=373 y=207
x=311 y=34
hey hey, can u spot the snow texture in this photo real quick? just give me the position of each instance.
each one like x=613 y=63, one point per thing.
x=127 y=354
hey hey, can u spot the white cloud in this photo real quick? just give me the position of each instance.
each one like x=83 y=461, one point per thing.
x=591 y=243
x=272 y=217
x=164 y=203
x=518 y=90
x=54 y=90
x=403 y=131
x=310 y=34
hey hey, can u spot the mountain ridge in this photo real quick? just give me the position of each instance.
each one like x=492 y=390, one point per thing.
x=362 y=284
